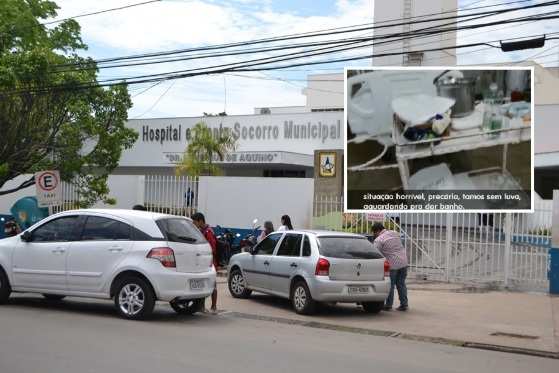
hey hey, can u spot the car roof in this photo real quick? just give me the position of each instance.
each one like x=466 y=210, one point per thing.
x=324 y=233
x=143 y=220
x=124 y=213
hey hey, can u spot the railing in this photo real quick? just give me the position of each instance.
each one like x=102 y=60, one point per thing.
x=176 y=195
x=505 y=249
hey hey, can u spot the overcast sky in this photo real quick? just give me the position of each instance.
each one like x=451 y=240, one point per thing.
x=174 y=24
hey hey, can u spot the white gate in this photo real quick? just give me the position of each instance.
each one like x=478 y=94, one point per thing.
x=176 y=195
x=498 y=248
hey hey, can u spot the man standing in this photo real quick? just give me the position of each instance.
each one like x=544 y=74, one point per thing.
x=200 y=221
x=390 y=245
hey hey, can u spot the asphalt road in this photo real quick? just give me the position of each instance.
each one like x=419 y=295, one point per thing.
x=82 y=336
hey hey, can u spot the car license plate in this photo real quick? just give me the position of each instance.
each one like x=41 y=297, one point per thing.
x=196 y=284
x=358 y=289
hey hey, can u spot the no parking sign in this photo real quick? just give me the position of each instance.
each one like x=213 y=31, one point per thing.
x=47 y=185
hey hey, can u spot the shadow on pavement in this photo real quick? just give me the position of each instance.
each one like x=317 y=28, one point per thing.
x=97 y=307
x=341 y=310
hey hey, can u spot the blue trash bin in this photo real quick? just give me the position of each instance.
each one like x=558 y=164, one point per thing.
x=553 y=273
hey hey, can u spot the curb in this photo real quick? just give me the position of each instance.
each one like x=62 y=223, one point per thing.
x=394 y=334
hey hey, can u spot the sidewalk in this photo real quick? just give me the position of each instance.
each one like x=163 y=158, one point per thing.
x=447 y=311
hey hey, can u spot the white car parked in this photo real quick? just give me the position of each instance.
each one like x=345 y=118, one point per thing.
x=313 y=266
x=135 y=257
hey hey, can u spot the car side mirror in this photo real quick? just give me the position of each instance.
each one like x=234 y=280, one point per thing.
x=26 y=236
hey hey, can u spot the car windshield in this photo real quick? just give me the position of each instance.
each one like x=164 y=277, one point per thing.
x=180 y=230
x=347 y=248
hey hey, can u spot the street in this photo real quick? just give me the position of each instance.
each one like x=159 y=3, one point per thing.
x=83 y=335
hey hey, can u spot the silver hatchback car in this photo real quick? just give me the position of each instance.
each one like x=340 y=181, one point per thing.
x=308 y=267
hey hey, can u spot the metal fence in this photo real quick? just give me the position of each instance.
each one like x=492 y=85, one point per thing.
x=177 y=195
x=70 y=198
x=504 y=249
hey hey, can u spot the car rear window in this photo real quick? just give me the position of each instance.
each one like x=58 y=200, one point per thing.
x=347 y=248
x=180 y=230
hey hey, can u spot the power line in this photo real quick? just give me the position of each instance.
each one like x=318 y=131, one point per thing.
x=100 y=12
x=327 y=32
x=157 y=101
x=250 y=67
x=345 y=47
x=323 y=51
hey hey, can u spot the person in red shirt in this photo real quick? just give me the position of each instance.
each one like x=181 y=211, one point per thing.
x=200 y=221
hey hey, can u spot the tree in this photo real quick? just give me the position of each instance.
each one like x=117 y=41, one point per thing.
x=53 y=113
x=204 y=149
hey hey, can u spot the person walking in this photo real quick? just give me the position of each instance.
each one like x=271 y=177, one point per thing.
x=200 y=221
x=390 y=245
x=285 y=224
x=268 y=228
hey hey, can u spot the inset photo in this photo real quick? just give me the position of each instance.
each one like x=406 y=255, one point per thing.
x=439 y=139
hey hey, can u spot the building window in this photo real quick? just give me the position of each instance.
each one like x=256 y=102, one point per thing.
x=329 y=109
x=413 y=59
x=284 y=173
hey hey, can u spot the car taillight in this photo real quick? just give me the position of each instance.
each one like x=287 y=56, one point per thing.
x=386 y=268
x=322 y=267
x=165 y=255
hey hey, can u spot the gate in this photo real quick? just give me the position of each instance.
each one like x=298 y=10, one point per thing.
x=503 y=249
x=176 y=195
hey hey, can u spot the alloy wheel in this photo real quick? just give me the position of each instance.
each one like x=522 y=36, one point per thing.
x=238 y=283
x=131 y=299
x=300 y=297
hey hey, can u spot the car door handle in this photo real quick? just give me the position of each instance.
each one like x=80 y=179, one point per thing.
x=293 y=265
x=115 y=249
x=59 y=250
x=266 y=263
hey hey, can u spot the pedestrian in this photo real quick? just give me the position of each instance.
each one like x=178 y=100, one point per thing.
x=139 y=208
x=200 y=221
x=189 y=201
x=390 y=245
x=285 y=224
x=268 y=228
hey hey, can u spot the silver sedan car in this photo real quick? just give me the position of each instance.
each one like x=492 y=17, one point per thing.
x=308 y=267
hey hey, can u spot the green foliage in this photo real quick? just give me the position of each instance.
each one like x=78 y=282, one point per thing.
x=540 y=232
x=44 y=127
x=204 y=149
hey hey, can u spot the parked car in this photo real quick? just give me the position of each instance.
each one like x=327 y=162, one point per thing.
x=309 y=267
x=133 y=257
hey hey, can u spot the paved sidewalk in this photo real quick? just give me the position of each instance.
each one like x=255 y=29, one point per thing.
x=519 y=320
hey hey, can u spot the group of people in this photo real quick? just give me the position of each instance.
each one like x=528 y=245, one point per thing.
x=269 y=227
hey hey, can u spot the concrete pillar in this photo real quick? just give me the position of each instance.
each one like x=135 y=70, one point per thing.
x=554 y=249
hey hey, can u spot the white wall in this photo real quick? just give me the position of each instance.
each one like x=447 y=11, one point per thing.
x=236 y=201
x=7 y=201
x=545 y=129
x=128 y=190
x=325 y=91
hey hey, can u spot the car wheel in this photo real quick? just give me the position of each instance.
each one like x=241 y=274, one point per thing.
x=187 y=307
x=134 y=299
x=372 y=307
x=54 y=297
x=237 y=285
x=5 y=289
x=302 y=300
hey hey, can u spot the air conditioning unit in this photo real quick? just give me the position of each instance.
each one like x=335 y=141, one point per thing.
x=265 y=110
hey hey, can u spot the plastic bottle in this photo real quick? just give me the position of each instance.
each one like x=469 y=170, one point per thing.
x=492 y=119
